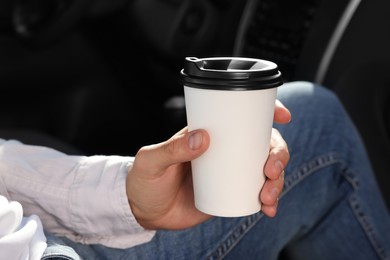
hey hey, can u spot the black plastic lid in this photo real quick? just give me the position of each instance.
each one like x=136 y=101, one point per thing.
x=230 y=73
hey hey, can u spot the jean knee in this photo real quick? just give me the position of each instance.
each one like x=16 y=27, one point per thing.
x=305 y=98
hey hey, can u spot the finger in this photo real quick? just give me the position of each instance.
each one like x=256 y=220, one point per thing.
x=278 y=156
x=182 y=147
x=281 y=115
x=270 y=211
x=271 y=191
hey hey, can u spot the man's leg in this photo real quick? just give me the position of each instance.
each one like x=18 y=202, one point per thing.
x=357 y=225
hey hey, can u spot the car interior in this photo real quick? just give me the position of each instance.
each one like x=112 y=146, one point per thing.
x=101 y=77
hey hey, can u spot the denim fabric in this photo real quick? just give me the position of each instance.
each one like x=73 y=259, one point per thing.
x=330 y=208
x=58 y=250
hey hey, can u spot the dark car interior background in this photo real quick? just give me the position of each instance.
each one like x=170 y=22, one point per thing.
x=102 y=76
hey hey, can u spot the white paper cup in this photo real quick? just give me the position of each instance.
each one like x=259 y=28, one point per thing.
x=233 y=99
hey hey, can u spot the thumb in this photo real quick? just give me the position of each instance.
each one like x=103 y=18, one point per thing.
x=182 y=147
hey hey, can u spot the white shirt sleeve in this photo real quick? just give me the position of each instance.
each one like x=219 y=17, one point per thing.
x=82 y=198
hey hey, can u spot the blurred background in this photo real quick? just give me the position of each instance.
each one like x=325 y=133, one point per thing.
x=102 y=76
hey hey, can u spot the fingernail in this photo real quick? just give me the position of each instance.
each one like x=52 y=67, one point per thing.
x=195 y=140
x=279 y=166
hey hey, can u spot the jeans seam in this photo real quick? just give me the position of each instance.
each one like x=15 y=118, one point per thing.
x=362 y=218
x=56 y=256
x=290 y=182
x=307 y=169
x=368 y=228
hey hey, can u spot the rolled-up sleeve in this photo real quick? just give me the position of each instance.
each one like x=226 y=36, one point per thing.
x=82 y=198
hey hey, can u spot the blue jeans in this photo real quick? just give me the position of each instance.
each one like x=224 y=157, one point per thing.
x=330 y=208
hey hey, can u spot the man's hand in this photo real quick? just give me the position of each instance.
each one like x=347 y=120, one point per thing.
x=159 y=185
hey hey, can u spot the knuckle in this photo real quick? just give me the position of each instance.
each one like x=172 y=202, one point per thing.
x=141 y=157
x=170 y=147
x=143 y=151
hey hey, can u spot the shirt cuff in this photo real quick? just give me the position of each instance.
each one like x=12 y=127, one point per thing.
x=100 y=210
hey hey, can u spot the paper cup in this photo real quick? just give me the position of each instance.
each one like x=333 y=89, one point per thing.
x=233 y=99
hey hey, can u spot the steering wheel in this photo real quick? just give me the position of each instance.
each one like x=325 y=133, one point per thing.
x=43 y=22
